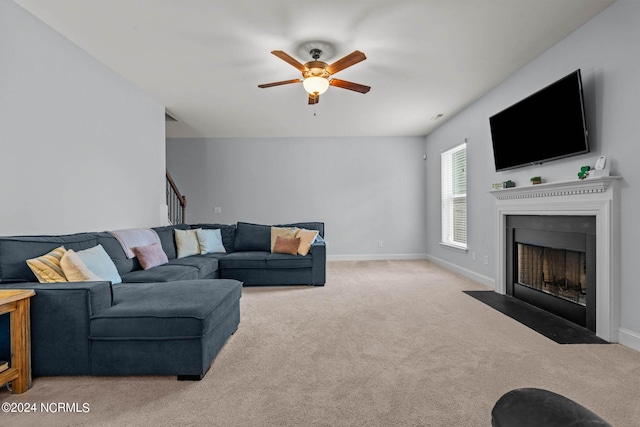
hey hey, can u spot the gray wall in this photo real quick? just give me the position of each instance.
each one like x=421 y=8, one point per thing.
x=366 y=190
x=605 y=49
x=80 y=148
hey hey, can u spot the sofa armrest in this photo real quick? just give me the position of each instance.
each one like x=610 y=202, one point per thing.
x=60 y=317
x=319 y=264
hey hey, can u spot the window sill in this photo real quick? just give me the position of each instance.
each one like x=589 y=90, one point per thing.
x=453 y=246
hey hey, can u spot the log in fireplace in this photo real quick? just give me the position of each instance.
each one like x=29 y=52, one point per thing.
x=551 y=264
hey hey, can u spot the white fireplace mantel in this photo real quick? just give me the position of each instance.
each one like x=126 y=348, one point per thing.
x=599 y=197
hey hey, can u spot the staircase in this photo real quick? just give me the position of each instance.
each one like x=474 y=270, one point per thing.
x=176 y=202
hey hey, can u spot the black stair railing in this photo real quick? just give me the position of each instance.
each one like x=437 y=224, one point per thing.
x=176 y=202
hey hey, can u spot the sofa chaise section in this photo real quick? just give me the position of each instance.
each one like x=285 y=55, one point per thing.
x=162 y=328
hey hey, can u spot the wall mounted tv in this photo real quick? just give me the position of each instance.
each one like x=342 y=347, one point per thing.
x=547 y=125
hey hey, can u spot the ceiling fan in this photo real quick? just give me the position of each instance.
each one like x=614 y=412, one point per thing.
x=317 y=75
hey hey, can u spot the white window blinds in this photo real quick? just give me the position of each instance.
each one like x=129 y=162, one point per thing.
x=454 y=196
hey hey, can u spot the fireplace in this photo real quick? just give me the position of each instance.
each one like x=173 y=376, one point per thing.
x=561 y=273
x=551 y=264
x=598 y=198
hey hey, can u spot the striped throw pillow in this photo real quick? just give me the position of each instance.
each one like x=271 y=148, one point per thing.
x=47 y=267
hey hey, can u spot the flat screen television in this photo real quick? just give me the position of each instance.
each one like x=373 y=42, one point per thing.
x=547 y=125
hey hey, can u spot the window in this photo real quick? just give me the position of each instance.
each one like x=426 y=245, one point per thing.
x=454 y=196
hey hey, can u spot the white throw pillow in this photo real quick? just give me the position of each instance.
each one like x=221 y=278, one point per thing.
x=99 y=262
x=210 y=241
x=187 y=242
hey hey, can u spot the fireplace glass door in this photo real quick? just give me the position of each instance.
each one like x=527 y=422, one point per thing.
x=558 y=272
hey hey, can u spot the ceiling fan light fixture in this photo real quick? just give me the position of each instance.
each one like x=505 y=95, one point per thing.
x=317 y=75
x=315 y=85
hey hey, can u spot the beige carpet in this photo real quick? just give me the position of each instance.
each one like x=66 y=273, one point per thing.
x=384 y=343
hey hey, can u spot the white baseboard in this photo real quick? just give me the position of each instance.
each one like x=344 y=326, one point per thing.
x=485 y=280
x=375 y=257
x=629 y=338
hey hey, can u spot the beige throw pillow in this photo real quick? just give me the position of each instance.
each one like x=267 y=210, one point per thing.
x=187 y=243
x=286 y=232
x=47 y=267
x=75 y=270
x=307 y=237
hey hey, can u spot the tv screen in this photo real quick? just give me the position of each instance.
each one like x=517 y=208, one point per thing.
x=545 y=126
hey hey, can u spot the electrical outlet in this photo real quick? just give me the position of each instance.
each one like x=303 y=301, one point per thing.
x=380 y=243
x=473 y=255
x=217 y=210
x=486 y=260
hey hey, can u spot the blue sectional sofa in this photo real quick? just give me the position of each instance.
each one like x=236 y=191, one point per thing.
x=170 y=319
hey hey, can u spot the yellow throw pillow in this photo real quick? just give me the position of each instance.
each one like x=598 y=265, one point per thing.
x=286 y=232
x=47 y=267
x=307 y=237
x=75 y=270
x=187 y=243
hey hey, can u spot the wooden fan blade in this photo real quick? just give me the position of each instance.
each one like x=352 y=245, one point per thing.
x=349 y=60
x=291 y=60
x=349 y=85
x=284 y=82
x=313 y=99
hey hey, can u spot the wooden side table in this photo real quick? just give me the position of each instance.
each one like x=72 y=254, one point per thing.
x=17 y=303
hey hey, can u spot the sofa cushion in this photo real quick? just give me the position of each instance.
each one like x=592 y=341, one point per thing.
x=252 y=237
x=162 y=273
x=252 y=259
x=183 y=309
x=206 y=266
x=48 y=267
x=167 y=238
x=288 y=261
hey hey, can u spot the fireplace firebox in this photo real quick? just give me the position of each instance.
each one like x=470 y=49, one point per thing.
x=551 y=264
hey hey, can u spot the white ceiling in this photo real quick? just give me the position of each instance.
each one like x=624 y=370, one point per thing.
x=203 y=59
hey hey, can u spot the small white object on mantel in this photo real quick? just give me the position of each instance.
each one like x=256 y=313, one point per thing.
x=595 y=173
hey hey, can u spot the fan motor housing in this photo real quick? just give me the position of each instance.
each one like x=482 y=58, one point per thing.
x=316 y=69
